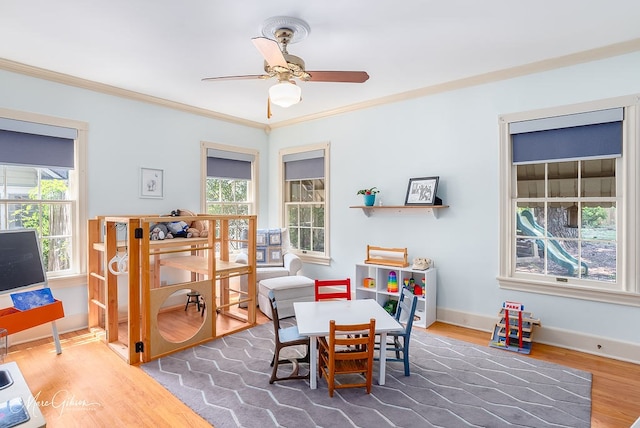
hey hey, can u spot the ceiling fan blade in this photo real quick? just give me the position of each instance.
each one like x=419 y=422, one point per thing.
x=339 y=76
x=270 y=50
x=246 y=77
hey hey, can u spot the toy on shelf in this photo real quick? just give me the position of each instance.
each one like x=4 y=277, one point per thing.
x=519 y=325
x=418 y=289
x=390 y=306
x=392 y=283
x=369 y=283
x=387 y=256
x=410 y=283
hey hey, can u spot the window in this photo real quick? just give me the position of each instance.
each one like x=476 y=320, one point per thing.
x=40 y=184
x=569 y=228
x=568 y=187
x=230 y=188
x=305 y=193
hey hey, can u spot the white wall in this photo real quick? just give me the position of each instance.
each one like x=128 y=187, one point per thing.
x=454 y=136
x=123 y=136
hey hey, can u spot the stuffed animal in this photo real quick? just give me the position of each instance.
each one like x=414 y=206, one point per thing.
x=197 y=228
x=159 y=231
x=192 y=232
x=178 y=228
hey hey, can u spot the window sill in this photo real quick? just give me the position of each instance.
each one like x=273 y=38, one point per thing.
x=67 y=281
x=314 y=258
x=570 y=291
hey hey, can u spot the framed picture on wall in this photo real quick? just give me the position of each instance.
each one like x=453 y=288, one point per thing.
x=151 y=183
x=422 y=191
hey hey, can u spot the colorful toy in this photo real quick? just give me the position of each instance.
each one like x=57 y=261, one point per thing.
x=514 y=329
x=392 y=283
x=391 y=306
x=417 y=290
x=369 y=283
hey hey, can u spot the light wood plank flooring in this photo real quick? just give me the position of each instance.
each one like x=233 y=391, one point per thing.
x=89 y=385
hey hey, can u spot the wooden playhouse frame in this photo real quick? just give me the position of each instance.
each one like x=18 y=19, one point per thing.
x=207 y=260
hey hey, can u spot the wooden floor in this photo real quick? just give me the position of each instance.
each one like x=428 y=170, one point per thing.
x=89 y=385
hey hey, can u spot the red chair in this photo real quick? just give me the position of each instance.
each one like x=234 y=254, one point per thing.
x=333 y=289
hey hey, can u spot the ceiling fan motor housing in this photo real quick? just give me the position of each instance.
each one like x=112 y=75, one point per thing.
x=295 y=64
x=295 y=67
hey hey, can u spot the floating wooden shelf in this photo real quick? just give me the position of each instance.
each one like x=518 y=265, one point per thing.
x=401 y=209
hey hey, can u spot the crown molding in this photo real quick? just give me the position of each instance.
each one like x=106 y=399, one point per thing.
x=480 y=79
x=494 y=76
x=78 y=82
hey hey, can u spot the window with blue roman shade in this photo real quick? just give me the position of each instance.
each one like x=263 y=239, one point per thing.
x=596 y=134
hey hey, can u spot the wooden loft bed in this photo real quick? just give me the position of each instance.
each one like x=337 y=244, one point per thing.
x=212 y=277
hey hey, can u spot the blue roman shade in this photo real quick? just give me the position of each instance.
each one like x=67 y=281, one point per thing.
x=596 y=134
x=35 y=144
x=304 y=165
x=231 y=165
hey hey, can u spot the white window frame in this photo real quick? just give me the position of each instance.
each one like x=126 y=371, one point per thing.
x=77 y=275
x=253 y=187
x=627 y=289
x=308 y=256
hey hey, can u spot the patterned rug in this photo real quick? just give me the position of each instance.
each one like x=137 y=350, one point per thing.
x=452 y=384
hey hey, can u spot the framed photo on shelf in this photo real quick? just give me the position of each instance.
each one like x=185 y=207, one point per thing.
x=422 y=191
x=151 y=183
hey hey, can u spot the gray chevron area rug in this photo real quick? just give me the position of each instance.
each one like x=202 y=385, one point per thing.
x=452 y=384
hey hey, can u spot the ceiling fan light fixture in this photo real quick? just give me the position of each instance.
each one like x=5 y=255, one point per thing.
x=285 y=93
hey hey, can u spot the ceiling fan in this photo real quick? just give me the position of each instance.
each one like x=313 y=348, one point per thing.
x=280 y=32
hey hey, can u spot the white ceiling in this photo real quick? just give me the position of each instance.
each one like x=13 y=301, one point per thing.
x=164 y=48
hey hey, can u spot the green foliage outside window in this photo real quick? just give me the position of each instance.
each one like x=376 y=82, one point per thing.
x=593 y=216
x=305 y=214
x=229 y=197
x=51 y=220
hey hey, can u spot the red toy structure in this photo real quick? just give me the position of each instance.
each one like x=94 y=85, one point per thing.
x=514 y=329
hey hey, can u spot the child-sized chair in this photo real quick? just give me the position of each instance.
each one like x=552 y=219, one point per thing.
x=398 y=342
x=348 y=350
x=284 y=337
x=333 y=289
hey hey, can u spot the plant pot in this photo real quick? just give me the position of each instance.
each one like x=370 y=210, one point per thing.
x=369 y=200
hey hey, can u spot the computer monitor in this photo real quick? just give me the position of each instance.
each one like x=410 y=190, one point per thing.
x=20 y=260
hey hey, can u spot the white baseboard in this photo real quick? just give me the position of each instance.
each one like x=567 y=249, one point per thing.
x=590 y=344
x=67 y=324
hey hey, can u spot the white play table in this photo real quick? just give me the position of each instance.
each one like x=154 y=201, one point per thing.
x=313 y=321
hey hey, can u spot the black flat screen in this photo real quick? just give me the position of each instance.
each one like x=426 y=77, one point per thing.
x=20 y=260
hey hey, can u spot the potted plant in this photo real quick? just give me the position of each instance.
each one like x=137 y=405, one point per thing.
x=369 y=195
